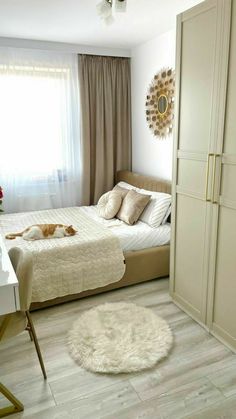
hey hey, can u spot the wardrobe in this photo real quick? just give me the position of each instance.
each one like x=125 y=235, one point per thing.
x=203 y=243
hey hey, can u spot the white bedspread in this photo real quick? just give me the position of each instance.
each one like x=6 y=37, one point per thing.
x=93 y=258
x=137 y=237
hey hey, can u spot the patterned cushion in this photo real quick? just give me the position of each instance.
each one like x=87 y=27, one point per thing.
x=109 y=204
x=156 y=210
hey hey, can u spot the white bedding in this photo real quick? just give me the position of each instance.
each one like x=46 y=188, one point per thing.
x=137 y=237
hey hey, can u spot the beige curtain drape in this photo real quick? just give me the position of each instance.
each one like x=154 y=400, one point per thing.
x=106 y=122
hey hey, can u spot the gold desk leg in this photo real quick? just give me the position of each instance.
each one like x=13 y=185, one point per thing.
x=17 y=406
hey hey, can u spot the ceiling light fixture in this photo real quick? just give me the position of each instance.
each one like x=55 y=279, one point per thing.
x=106 y=9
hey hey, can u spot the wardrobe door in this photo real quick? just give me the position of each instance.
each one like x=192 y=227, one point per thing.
x=199 y=67
x=223 y=306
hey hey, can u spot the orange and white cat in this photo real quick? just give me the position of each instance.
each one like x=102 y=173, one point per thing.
x=44 y=231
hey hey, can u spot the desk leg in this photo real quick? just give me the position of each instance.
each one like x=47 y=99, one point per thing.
x=17 y=406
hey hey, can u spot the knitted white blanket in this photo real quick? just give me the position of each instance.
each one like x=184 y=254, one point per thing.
x=90 y=259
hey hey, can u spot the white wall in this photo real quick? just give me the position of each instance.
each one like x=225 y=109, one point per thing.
x=151 y=156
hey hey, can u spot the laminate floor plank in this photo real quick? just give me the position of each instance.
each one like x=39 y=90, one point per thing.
x=37 y=397
x=221 y=410
x=183 y=400
x=81 y=384
x=225 y=379
x=188 y=367
x=97 y=405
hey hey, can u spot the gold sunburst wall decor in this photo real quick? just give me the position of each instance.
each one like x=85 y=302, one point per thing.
x=160 y=103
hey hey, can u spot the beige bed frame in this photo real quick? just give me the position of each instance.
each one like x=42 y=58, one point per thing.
x=141 y=265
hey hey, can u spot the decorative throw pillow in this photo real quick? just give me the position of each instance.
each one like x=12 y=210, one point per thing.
x=132 y=207
x=123 y=191
x=109 y=204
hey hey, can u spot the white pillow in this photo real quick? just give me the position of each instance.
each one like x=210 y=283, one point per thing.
x=168 y=212
x=109 y=204
x=156 y=209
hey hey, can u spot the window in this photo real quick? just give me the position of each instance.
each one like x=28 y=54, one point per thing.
x=39 y=130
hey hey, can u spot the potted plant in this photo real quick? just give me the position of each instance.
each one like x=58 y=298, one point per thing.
x=1 y=196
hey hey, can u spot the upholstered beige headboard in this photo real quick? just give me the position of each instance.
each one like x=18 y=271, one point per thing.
x=144 y=182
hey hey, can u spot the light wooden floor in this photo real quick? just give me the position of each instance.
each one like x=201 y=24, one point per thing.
x=197 y=380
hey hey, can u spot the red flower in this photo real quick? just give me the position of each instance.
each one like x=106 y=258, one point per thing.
x=1 y=193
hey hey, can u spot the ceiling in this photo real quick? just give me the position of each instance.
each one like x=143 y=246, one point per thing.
x=76 y=21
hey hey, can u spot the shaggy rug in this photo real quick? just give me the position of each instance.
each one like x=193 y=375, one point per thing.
x=119 y=337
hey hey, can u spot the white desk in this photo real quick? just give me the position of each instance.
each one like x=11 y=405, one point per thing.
x=9 y=293
x=9 y=303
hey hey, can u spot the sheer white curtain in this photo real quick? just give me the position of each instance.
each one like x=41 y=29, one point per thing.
x=40 y=163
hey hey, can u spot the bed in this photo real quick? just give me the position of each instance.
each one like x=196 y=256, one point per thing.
x=146 y=260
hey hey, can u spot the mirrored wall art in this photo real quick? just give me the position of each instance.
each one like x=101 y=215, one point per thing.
x=160 y=103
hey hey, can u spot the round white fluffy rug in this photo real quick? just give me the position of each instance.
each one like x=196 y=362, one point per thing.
x=119 y=337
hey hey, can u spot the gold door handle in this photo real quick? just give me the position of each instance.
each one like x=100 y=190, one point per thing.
x=207 y=177
x=214 y=201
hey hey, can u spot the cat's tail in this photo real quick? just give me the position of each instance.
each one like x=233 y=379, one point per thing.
x=12 y=236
